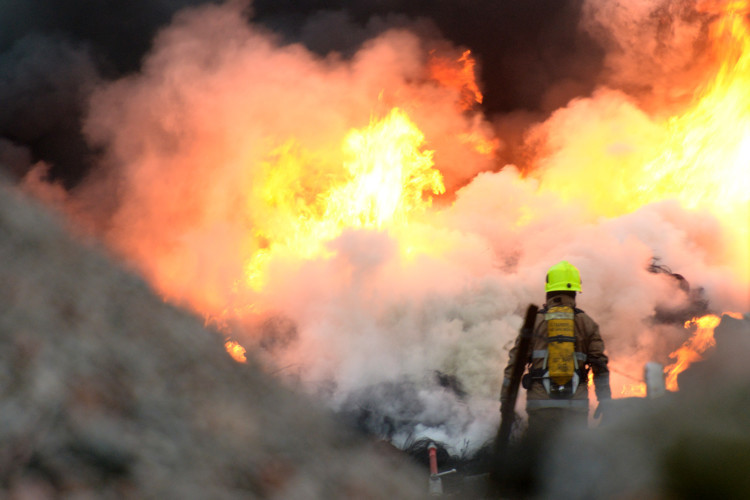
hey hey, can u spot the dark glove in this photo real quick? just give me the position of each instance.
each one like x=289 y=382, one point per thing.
x=601 y=386
x=505 y=406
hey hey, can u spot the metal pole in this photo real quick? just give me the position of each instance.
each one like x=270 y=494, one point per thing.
x=655 y=384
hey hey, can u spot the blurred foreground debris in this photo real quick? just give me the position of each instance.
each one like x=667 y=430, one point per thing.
x=108 y=392
x=694 y=443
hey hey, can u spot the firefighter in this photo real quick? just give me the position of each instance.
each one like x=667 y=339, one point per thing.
x=565 y=344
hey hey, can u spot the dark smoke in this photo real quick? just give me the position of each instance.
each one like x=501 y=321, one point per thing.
x=532 y=53
x=44 y=85
x=119 y=32
x=52 y=54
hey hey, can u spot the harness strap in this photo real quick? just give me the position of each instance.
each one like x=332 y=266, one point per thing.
x=562 y=338
x=541 y=373
x=542 y=353
x=574 y=404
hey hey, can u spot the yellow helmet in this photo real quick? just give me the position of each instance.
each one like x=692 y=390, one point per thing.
x=563 y=276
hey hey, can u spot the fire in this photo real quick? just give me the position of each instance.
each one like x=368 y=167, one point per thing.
x=236 y=351
x=381 y=184
x=688 y=353
x=388 y=175
x=480 y=143
x=253 y=184
x=637 y=390
x=698 y=157
x=459 y=74
x=691 y=351
x=705 y=162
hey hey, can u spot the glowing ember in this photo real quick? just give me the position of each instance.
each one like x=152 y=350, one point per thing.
x=235 y=350
x=633 y=391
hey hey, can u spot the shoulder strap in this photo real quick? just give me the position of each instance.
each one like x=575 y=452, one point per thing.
x=535 y=333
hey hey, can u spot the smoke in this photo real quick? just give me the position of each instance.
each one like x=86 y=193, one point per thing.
x=656 y=50
x=528 y=50
x=224 y=112
x=118 y=33
x=188 y=142
x=52 y=55
x=44 y=84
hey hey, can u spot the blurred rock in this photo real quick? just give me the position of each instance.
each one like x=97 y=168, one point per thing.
x=108 y=392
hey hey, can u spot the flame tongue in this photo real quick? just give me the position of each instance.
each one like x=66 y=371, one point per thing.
x=458 y=74
x=389 y=174
x=691 y=351
x=705 y=162
x=386 y=175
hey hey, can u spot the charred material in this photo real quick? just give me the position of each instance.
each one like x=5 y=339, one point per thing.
x=393 y=411
x=694 y=304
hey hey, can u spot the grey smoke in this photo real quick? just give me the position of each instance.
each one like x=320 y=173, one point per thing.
x=52 y=54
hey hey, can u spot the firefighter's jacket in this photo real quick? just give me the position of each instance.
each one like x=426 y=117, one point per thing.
x=589 y=352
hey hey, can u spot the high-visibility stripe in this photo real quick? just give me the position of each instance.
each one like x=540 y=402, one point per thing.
x=559 y=315
x=573 y=404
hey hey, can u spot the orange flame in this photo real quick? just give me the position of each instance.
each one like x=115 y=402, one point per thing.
x=457 y=74
x=480 y=143
x=705 y=161
x=698 y=157
x=691 y=350
x=236 y=351
x=385 y=177
x=637 y=390
x=460 y=75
